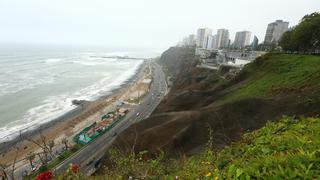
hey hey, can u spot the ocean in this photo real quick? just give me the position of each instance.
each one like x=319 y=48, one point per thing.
x=38 y=83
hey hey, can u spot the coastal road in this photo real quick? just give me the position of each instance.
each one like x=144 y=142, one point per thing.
x=90 y=155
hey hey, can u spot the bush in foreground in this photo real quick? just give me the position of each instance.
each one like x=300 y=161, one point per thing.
x=287 y=149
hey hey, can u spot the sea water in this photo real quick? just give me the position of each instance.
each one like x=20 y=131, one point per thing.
x=37 y=84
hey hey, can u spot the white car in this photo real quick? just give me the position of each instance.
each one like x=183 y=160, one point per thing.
x=138 y=113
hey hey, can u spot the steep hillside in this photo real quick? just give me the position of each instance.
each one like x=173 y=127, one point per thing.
x=288 y=149
x=270 y=87
x=189 y=79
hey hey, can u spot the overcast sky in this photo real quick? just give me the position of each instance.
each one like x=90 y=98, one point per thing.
x=139 y=23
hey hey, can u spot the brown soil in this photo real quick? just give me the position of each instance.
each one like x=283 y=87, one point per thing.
x=182 y=121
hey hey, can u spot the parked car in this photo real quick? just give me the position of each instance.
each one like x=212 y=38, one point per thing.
x=90 y=162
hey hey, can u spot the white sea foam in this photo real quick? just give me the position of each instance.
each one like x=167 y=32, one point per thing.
x=94 y=61
x=55 y=106
x=23 y=81
x=88 y=63
x=107 y=84
x=116 y=53
x=34 y=117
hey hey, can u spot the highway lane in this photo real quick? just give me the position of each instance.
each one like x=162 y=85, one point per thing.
x=88 y=156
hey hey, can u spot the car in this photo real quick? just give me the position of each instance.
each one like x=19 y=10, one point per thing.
x=138 y=114
x=90 y=162
x=114 y=134
x=24 y=173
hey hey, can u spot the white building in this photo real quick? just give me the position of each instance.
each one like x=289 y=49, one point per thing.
x=202 y=37
x=275 y=31
x=222 y=40
x=242 y=39
x=211 y=42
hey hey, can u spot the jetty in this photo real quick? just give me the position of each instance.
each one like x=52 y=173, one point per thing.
x=121 y=57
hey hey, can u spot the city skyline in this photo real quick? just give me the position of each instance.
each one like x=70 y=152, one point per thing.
x=156 y=24
x=207 y=40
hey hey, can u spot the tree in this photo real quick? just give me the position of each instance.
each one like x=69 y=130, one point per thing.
x=286 y=41
x=43 y=161
x=65 y=142
x=307 y=32
x=13 y=168
x=305 y=37
x=51 y=144
x=44 y=147
x=30 y=157
x=3 y=171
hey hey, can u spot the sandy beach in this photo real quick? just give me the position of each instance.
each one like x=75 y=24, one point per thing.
x=73 y=122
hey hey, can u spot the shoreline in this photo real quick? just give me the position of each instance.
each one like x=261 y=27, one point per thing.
x=79 y=112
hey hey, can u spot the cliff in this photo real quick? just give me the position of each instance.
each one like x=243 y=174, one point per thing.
x=272 y=86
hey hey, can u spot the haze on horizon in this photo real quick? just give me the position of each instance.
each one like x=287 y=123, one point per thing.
x=140 y=23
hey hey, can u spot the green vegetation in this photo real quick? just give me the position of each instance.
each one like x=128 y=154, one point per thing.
x=64 y=155
x=287 y=149
x=305 y=37
x=276 y=74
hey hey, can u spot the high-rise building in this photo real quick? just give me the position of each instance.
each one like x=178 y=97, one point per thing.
x=242 y=39
x=211 y=42
x=254 y=44
x=222 y=40
x=192 y=40
x=214 y=42
x=275 y=31
x=202 y=37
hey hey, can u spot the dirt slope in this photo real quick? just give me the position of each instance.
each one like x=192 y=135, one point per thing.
x=199 y=100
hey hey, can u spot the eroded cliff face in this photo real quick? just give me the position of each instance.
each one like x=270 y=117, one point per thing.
x=200 y=100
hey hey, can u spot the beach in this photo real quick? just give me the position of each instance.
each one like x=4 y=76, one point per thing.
x=74 y=121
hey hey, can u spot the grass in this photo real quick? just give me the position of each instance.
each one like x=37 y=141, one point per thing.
x=287 y=149
x=64 y=156
x=274 y=74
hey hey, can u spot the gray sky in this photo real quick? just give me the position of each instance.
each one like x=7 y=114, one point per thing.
x=139 y=23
